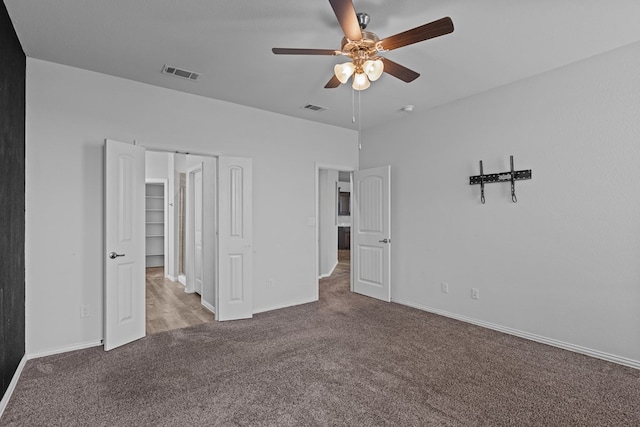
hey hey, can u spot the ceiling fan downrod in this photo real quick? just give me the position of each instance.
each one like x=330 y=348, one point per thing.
x=363 y=20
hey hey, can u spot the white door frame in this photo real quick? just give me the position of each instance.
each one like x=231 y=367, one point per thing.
x=341 y=168
x=189 y=242
x=165 y=183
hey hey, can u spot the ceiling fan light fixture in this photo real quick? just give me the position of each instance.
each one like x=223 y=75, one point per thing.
x=360 y=81
x=344 y=71
x=373 y=69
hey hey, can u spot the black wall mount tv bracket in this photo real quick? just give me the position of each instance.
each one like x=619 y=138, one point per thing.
x=510 y=176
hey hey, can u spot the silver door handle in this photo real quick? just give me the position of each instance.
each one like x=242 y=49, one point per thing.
x=114 y=255
x=385 y=241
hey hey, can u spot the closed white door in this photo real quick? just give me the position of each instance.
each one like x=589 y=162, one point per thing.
x=234 y=297
x=371 y=233
x=124 y=254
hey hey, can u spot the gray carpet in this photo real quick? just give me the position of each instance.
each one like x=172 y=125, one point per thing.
x=346 y=360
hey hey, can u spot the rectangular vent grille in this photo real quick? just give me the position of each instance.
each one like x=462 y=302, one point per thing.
x=174 y=71
x=315 y=108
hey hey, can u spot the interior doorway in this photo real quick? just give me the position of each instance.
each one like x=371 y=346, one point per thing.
x=170 y=303
x=333 y=221
x=227 y=237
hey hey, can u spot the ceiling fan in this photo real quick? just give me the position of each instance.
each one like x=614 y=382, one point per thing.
x=363 y=48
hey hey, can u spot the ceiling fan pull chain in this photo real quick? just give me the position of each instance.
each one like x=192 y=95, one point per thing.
x=359 y=112
x=353 y=106
x=359 y=122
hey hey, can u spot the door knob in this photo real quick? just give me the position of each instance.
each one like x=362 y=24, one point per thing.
x=114 y=255
x=385 y=240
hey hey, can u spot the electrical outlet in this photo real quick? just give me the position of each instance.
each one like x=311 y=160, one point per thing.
x=269 y=283
x=84 y=310
x=475 y=293
x=444 y=287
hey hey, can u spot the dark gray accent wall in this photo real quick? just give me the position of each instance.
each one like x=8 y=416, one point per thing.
x=12 y=200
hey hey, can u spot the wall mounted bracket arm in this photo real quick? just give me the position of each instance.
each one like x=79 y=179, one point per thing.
x=511 y=176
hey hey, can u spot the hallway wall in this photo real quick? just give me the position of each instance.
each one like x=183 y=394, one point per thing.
x=327 y=229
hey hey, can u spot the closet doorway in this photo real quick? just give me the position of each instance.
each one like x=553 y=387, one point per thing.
x=156 y=223
x=226 y=241
x=170 y=303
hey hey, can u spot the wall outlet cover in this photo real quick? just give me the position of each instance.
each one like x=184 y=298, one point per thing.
x=444 y=287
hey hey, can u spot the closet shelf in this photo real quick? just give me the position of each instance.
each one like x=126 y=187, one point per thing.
x=155 y=222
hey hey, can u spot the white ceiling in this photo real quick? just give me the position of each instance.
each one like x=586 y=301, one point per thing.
x=495 y=42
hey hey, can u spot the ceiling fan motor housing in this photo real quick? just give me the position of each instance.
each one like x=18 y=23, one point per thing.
x=363 y=20
x=368 y=42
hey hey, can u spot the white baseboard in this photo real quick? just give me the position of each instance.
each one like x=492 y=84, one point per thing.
x=58 y=350
x=182 y=279
x=12 y=385
x=208 y=306
x=529 y=336
x=172 y=278
x=278 y=307
x=324 y=276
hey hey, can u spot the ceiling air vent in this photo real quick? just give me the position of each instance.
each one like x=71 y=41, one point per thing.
x=315 y=108
x=178 y=72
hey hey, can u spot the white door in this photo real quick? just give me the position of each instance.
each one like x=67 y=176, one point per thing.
x=193 y=263
x=124 y=256
x=209 y=237
x=371 y=233
x=197 y=229
x=235 y=256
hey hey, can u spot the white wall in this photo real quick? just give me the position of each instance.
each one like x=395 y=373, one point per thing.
x=156 y=165
x=327 y=229
x=69 y=114
x=560 y=265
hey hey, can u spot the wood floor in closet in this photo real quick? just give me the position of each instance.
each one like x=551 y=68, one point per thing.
x=169 y=307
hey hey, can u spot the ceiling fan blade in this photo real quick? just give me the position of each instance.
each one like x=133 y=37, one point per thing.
x=399 y=71
x=333 y=83
x=424 y=32
x=294 y=51
x=346 y=14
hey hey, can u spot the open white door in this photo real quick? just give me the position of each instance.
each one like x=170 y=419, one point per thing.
x=371 y=232
x=124 y=294
x=193 y=249
x=197 y=232
x=235 y=239
x=209 y=238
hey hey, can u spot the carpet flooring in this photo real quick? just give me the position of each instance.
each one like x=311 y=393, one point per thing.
x=346 y=360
